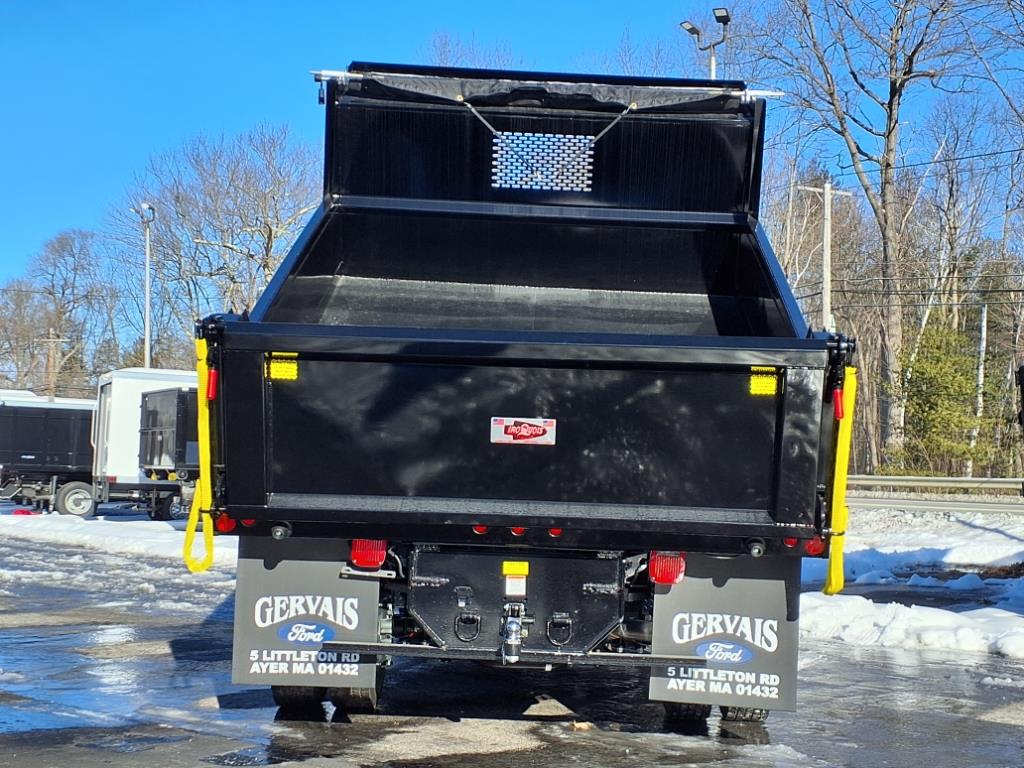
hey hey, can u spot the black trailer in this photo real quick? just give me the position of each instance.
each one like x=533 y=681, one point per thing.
x=169 y=447
x=46 y=454
x=530 y=388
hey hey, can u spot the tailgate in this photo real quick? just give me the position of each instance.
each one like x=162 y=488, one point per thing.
x=364 y=439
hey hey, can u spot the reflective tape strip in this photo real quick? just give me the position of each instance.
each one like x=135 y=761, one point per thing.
x=764 y=380
x=515 y=568
x=283 y=366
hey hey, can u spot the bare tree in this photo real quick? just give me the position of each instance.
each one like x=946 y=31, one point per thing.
x=51 y=321
x=854 y=65
x=227 y=211
x=448 y=50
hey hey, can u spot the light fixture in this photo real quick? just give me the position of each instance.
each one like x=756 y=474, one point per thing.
x=722 y=17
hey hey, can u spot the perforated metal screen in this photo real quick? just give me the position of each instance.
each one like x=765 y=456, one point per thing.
x=555 y=162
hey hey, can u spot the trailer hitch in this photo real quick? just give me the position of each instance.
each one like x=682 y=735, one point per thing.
x=513 y=631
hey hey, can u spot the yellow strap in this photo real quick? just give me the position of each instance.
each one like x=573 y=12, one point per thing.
x=835 y=580
x=203 y=498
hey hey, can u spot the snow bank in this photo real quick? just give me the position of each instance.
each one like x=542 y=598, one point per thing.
x=858 y=621
x=885 y=540
x=883 y=543
x=115 y=535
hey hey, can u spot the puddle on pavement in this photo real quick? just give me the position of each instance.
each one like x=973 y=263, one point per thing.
x=129 y=741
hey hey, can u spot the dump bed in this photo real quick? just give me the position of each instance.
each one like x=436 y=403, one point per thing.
x=168 y=440
x=530 y=300
x=41 y=437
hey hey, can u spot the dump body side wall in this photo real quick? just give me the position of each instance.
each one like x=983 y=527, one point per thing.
x=44 y=441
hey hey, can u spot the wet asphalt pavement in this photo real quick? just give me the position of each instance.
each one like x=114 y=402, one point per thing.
x=124 y=661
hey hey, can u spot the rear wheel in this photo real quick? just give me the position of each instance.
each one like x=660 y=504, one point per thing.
x=297 y=696
x=75 y=498
x=168 y=508
x=358 y=699
x=744 y=714
x=686 y=712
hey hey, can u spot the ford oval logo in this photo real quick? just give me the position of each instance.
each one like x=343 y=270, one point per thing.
x=306 y=633
x=720 y=652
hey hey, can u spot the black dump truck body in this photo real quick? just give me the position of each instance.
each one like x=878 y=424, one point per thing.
x=534 y=335
x=169 y=448
x=45 y=451
x=168 y=437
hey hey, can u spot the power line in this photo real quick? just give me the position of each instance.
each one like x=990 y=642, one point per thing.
x=939 y=161
x=920 y=164
x=998 y=303
x=917 y=292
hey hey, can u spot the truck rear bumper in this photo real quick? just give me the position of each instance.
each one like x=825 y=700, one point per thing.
x=594 y=658
x=581 y=525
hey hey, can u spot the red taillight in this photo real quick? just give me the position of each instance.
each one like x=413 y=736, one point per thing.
x=212 y=377
x=517 y=531
x=554 y=533
x=224 y=524
x=479 y=530
x=248 y=523
x=666 y=567
x=791 y=541
x=814 y=547
x=837 y=403
x=369 y=553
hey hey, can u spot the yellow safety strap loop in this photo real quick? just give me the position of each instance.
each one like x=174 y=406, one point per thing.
x=835 y=579
x=203 y=498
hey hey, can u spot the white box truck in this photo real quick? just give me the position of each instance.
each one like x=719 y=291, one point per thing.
x=117 y=471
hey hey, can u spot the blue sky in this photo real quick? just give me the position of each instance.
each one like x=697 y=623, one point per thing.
x=91 y=89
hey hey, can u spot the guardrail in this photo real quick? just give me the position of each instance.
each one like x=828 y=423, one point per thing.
x=958 y=483
x=957 y=505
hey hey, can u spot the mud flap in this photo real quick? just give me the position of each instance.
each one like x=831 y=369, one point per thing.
x=285 y=614
x=741 y=615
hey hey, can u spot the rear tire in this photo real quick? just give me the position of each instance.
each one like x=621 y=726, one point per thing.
x=75 y=499
x=297 y=696
x=744 y=714
x=168 y=508
x=358 y=700
x=685 y=712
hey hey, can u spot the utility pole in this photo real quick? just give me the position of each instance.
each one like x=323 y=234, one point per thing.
x=51 y=364
x=826 y=193
x=979 y=392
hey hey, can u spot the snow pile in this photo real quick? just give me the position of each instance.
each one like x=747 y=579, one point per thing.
x=893 y=538
x=885 y=546
x=115 y=535
x=858 y=621
x=884 y=549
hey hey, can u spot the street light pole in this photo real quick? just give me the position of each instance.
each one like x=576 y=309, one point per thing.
x=147 y=213
x=722 y=17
